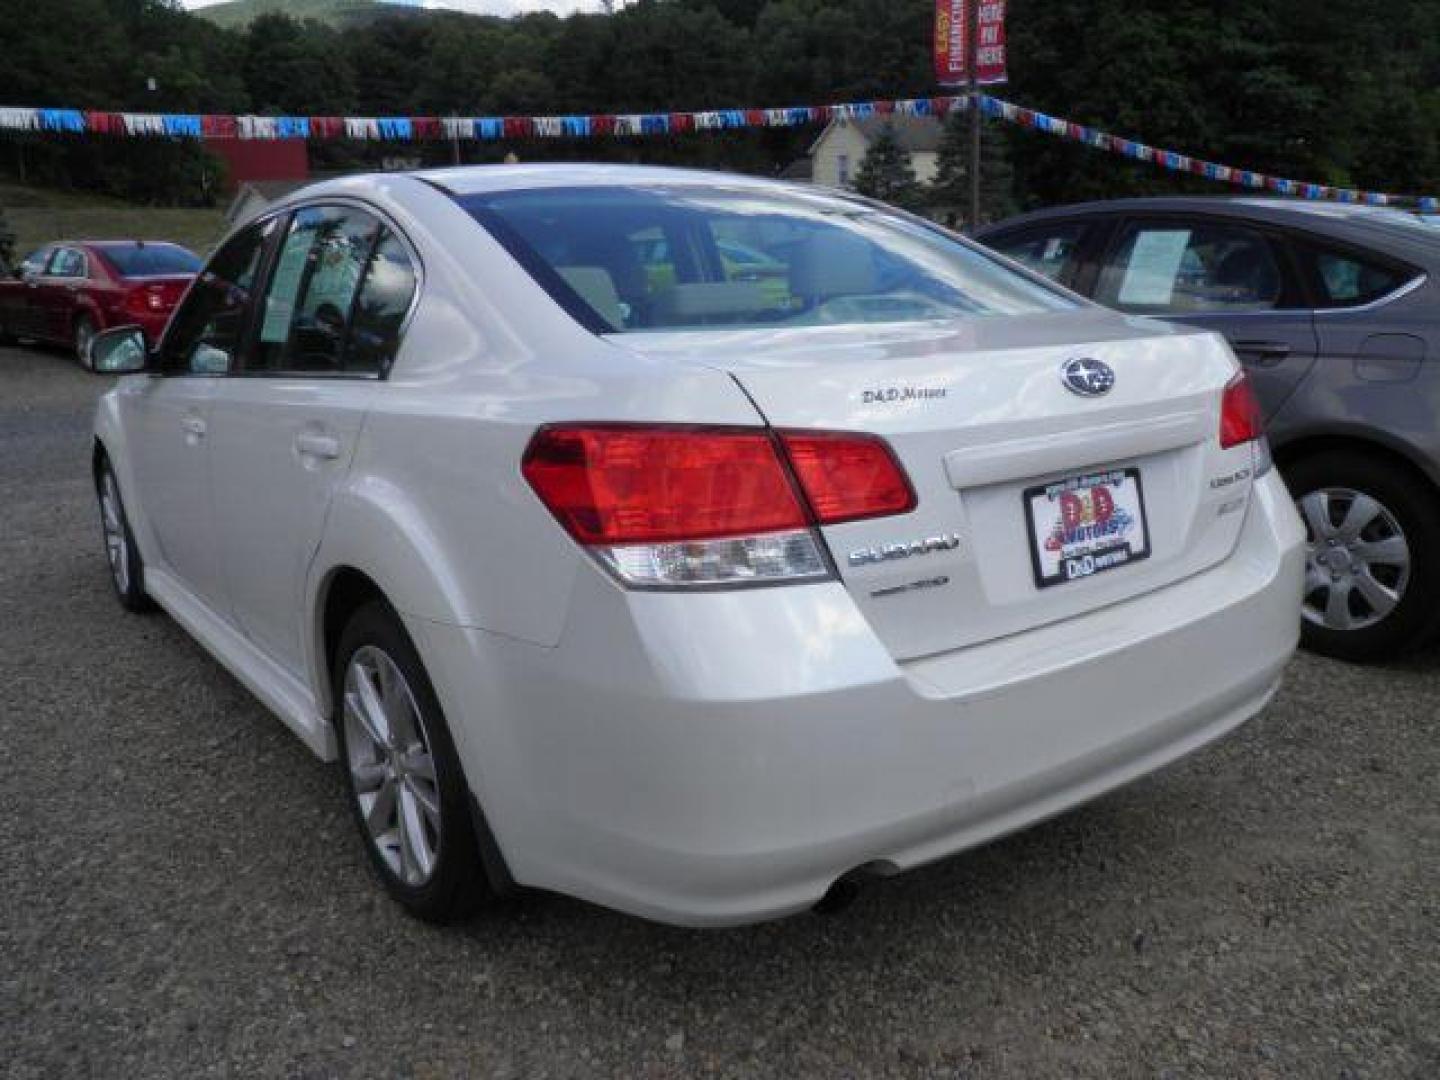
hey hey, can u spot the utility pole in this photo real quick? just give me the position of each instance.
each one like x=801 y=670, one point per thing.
x=972 y=27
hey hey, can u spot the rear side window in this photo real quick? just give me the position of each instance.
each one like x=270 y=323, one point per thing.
x=150 y=260
x=66 y=263
x=1189 y=269
x=686 y=257
x=385 y=297
x=1053 y=250
x=1344 y=280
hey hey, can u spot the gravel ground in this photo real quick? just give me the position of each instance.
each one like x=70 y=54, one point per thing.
x=181 y=893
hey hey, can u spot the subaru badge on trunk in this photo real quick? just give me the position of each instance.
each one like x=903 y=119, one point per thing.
x=1087 y=376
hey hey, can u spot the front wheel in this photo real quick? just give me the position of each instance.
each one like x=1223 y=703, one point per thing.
x=407 y=791
x=1372 y=579
x=127 y=570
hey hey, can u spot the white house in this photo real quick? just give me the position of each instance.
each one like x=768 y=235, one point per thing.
x=837 y=153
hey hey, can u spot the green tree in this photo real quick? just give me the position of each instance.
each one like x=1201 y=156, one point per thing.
x=886 y=172
x=301 y=69
x=948 y=196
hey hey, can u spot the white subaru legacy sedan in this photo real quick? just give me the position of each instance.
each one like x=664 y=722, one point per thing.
x=689 y=543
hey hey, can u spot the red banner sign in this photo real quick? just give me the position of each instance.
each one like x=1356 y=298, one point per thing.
x=952 y=41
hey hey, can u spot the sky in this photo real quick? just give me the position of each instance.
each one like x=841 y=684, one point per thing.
x=484 y=7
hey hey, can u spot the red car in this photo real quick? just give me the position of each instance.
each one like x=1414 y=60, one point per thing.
x=67 y=292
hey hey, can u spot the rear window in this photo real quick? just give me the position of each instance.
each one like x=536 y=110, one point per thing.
x=656 y=258
x=150 y=260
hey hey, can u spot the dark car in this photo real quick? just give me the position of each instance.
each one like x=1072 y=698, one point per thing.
x=66 y=293
x=1334 y=310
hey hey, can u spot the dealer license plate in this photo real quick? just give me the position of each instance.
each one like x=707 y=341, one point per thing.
x=1086 y=525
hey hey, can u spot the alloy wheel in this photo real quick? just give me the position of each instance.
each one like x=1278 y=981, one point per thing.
x=112 y=520
x=84 y=334
x=391 y=766
x=1359 y=559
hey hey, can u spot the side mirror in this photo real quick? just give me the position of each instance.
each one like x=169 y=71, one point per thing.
x=119 y=351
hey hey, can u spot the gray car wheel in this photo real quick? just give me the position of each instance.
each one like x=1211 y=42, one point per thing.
x=1371 y=576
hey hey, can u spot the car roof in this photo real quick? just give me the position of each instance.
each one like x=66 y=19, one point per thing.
x=1381 y=227
x=484 y=179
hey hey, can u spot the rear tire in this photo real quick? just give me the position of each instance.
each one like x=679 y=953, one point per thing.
x=1372 y=582
x=408 y=794
x=85 y=331
x=127 y=569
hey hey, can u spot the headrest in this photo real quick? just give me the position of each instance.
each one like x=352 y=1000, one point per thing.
x=833 y=263
x=709 y=301
x=596 y=288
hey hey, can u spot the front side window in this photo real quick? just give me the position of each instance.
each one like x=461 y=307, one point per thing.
x=1191 y=269
x=1052 y=250
x=206 y=333
x=660 y=258
x=66 y=263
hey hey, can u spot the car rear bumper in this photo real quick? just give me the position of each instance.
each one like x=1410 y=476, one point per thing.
x=718 y=759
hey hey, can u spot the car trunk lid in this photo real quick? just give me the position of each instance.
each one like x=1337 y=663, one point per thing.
x=1005 y=460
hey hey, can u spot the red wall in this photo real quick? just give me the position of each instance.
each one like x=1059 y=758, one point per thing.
x=261 y=159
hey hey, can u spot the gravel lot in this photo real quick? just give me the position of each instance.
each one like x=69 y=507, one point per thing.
x=181 y=893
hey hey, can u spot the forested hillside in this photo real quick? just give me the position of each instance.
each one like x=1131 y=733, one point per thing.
x=1331 y=92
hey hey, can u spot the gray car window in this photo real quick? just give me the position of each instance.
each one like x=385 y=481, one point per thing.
x=1051 y=250
x=1347 y=280
x=1183 y=267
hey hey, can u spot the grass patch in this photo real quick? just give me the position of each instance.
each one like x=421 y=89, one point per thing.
x=39 y=216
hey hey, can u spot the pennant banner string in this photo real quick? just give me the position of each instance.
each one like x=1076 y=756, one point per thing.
x=492 y=128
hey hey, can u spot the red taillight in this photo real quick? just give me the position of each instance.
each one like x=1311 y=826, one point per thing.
x=619 y=484
x=848 y=477
x=1241 y=420
x=146 y=299
x=615 y=484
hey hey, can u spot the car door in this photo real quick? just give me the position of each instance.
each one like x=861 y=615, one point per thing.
x=167 y=417
x=17 y=315
x=1357 y=325
x=57 y=291
x=283 y=431
x=1227 y=275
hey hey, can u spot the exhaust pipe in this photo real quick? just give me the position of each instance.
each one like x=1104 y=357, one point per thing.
x=843 y=892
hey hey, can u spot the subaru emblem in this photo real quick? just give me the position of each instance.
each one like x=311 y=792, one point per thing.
x=1087 y=376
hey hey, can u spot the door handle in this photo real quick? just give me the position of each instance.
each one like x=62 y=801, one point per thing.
x=312 y=445
x=1266 y=353
x=193 y=426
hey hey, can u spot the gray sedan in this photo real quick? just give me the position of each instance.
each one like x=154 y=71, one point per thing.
x=1335 y=312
